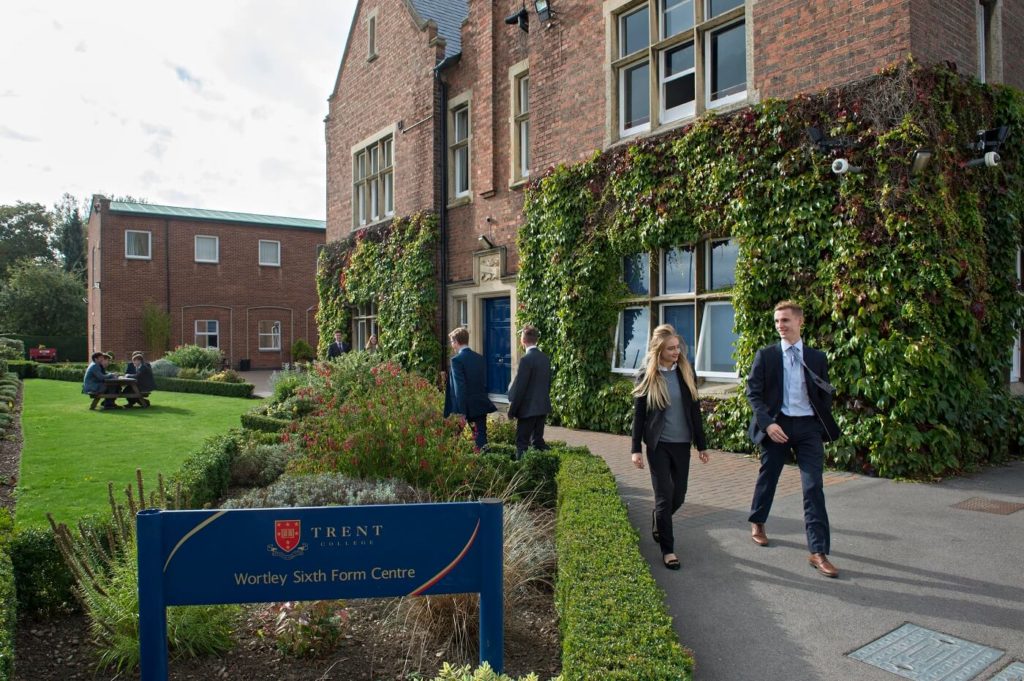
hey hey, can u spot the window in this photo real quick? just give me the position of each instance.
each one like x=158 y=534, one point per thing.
x=685 y=286
x=521 y=128
x=207 y=249
x=1015 y=369
x=270 y=253
x=371 y=38
x=138 y=245
x=679 y=39
x=364 y=324
x=462 y=313
x=458 y=151
x=374 y=182
x=270 y=335
x=207 y=333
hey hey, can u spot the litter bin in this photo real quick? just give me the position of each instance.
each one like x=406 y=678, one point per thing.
x=244 y=364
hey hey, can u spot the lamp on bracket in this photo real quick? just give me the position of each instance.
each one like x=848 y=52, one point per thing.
x=520 y=18
x=922 y=157
x=544 y=11
x=485 y=242
x=987 y=142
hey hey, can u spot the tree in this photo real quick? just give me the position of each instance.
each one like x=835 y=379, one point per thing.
x=70 y=239
x=156 y=328
x=41 y=299
x=25 y=233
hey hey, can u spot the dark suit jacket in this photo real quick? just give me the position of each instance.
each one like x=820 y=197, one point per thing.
x=143 y=376
x=94 y=379
x=648 y=424
x=530 y=393
x=337 y=350
x=466 y=392
x=765 y=385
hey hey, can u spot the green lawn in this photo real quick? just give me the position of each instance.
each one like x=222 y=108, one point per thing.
x=70 y=452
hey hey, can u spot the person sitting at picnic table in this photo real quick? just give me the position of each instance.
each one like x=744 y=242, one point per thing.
x=95 y=379
x=143 y=374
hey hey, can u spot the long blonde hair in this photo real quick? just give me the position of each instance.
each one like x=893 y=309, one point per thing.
x=653 y=384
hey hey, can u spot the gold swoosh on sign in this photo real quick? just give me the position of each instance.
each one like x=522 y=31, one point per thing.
x=448 y=568
x=190 y=534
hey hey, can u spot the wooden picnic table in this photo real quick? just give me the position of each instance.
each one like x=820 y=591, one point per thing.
x=112 y=389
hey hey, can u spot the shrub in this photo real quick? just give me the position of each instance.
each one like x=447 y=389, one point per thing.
x=156 y=327
x=12 y=348
x=306 y=629
x=195 y=357
x=3 y=366
x=481 y=673
x=284 y=383
x=294 y=407
x=259 y=465
x=254 y=420
x=45 y=586
x=500 y=430
x=226 y=376
x=392 y=429
x=165 y=367
x=8 y=599
x=612 y=613
x=189 y=374
x=204 y=387
x=326 y=489
x=60 y=372
x=302 y=351
x=203 y=477
x=23 y=368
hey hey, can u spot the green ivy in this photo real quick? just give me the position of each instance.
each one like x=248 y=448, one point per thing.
x=907 y=281
x=396 y=267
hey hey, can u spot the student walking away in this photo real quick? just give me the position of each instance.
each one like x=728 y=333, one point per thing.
x=466 y=390
x=338 y=347
x=666 y=418
x=529 y=396
x=95 y=379
x=789 y=392
x=143 y=374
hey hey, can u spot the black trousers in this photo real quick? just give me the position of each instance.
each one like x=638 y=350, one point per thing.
x=530 y=433
x=479 y=425
x=670 y=474
x=804 y=433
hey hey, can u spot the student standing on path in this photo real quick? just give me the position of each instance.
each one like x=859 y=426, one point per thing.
x=666 y=417
x=789 y=392
x=529 y=396
x=338 y=347
x=466 y=390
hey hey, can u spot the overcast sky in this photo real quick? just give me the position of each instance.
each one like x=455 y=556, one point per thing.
x=214 y=104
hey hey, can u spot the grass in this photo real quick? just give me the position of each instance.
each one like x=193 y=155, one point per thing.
x=70 y=453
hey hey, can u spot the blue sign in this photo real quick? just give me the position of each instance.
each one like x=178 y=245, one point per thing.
x=297 y=554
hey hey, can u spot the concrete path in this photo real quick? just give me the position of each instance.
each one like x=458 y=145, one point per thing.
x=259 y=378
x=904 y=555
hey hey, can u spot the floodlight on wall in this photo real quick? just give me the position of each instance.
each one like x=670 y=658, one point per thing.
x=522 y=18
x=825 y=143
x=988 y=142
x=922 y=157
x=990 y=160
x=485 y=241
x=544 y=11
x=841 y=166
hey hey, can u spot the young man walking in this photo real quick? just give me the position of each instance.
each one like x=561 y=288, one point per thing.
x=789 y=392
x=466 y=390
x=529 y=397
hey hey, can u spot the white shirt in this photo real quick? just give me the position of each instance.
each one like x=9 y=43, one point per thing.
x=795 y=401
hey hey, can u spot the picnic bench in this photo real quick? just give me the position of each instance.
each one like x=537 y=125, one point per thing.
x=113 y=389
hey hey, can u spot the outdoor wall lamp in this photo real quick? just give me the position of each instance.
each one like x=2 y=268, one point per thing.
x=922 y=157
x=841 y=166
x=544 y=11
x=522 y=18
x=485 y=241
x=988 y=142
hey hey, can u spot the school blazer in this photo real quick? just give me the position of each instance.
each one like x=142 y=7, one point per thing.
x=648 y=423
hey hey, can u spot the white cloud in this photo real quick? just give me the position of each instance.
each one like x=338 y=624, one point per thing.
x=204 y=104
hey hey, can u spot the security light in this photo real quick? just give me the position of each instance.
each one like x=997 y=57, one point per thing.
x=922 y=157
x=544 y=11
x=521 y=17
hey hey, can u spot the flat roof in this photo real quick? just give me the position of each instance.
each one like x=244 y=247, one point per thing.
x=216 y=215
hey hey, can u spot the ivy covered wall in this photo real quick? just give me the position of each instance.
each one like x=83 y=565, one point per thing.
x=395 y=267
x=908 y=282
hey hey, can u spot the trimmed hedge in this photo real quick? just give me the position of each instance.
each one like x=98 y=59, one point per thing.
x=267 y=424
x=612 y=614
x=23 y=367
x=205 y=474
x=58 y=372
x=184 y=385
x=8 y=599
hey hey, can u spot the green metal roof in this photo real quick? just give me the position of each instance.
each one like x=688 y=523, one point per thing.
x=217 y=215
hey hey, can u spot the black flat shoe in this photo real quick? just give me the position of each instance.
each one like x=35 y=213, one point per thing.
x=671 y=563
x=654 y=527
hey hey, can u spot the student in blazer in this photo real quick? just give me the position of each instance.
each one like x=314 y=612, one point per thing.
x=529 y=396
x=466 y=390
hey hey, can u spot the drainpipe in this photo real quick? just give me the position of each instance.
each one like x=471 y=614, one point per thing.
x=167 y=265
x=442 y=140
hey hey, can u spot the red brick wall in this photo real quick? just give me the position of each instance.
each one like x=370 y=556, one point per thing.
x=370 y=95
x=808 y=45
x=945 y=31
x=237 y=291
x=1013 y=47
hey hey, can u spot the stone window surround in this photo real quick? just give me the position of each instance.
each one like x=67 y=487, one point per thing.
x=456 y=103
x=515 y=73
x=363 y=145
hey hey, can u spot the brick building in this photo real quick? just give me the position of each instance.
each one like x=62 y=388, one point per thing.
x=239 y=282
x=451 y=105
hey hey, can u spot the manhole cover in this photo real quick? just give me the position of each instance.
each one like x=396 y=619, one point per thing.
x=914 y=652
x=989 y=506
x=1015 y=672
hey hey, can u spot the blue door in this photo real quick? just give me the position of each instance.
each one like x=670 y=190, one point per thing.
x=498 y=344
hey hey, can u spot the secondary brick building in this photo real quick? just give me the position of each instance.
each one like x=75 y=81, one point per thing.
x=239 y=282
x=451 y=105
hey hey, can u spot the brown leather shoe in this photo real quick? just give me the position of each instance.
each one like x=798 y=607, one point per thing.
x=819 y=561
x=758 y=535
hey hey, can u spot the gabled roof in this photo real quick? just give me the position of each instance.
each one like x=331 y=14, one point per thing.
x=215 y=215
x=448 y=15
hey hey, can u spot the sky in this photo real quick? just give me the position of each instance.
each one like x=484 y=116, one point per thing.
x=216 y=104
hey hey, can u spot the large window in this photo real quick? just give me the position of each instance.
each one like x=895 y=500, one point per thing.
x=270 y=253
x=207 y=335
x=364 y=324
x=687 y=286
x=207 y=249
x=521 y=127
x=686 y=42
x=373 y=194
x=138 y=245
x=270 y=335
x=458 y=151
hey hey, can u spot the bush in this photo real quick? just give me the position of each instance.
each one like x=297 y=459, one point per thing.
x=179 y=385
x=12 y=348
x=284 y=383
x=326 y=489
x=302 y=351
x=189 y=374
x=295 y=407
x=45 y=586
x=3 y=366
x=305 y=629
x=165 y=367
x=500 y=430
x=22 y=367
x=60 y=372
x=481 y=673
x=204 y=475
x=254 y=420
x=226 y=376
x=195 y=357
x=8 y=598
x=612 y=613
x=259 y=465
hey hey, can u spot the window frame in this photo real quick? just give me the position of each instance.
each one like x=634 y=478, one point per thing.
x=260 y=334
x=709 y=272
x=364 y=324
x=735 y=97
x=702 y=340
x=459 y=148
x=216 y=248
x=149 y=244
x=519 y=122
x=371 y=37
x=687 y=109
x=620 y=318
x=373 y=190
x=1018 y=342
x=216 y=334
x=260 y=253
x=462 y=312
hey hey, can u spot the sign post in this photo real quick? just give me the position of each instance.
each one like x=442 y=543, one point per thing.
x=296 y=554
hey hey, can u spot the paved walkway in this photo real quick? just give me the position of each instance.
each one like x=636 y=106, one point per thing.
x=762 y=614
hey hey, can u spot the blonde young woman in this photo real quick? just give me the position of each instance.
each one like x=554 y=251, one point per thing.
x=666 y=417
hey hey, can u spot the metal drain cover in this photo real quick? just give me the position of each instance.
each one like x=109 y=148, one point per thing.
x=921 y=654
x=1015 y=672
x=985 y=505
